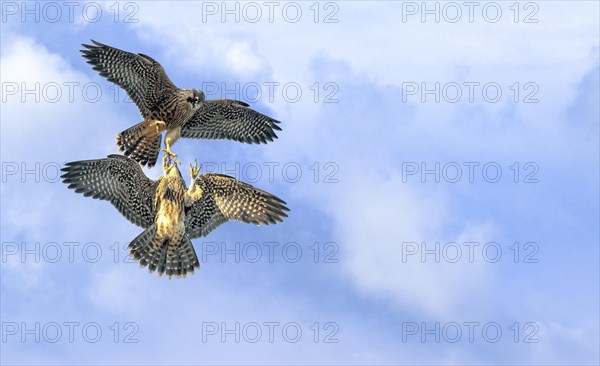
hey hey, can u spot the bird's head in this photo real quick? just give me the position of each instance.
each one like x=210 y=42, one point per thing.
x=196 y=98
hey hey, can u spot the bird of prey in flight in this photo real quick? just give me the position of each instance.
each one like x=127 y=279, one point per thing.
x=170 y=213
x=164 y=107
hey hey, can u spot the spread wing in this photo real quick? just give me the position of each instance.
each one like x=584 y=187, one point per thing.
x=117 y=179
x=232 y=120
x=142 y=77
x=225 y=198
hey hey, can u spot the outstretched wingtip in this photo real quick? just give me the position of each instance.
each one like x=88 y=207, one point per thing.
x=89 y=49
x=89 y=46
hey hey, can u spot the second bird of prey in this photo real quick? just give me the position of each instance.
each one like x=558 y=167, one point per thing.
x=171 y=214
x=165 y=107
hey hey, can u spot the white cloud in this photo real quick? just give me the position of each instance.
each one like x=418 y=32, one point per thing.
x=374 y=215
x=242 y=59
x=563 y=344
x=19 y=273
x=51 y=104
x=39 y=135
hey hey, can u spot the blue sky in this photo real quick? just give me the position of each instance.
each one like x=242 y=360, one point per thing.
x=518 y=91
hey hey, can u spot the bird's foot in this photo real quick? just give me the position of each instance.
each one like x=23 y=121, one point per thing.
x=194 y=192
x=158 y=125
x=194 y=170
x=166 y=163
x=170 y=155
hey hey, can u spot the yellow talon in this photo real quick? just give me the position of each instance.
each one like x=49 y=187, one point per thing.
x=167 y=152
x=158 y=124
x=195 y=170
x=166 y=165
x=170 y=154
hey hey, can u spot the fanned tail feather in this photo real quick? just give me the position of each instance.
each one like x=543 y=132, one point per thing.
x=138 y=144
x=164 y=255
